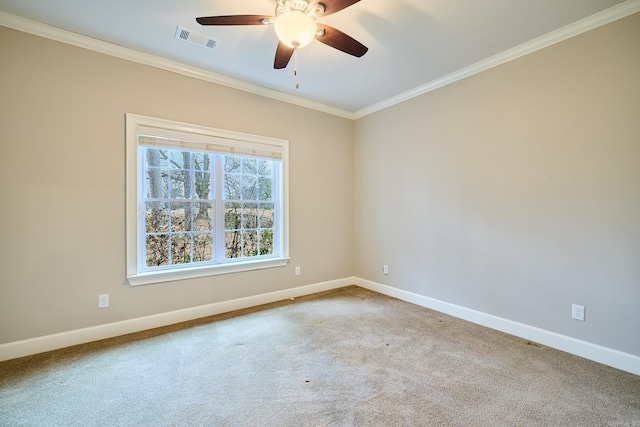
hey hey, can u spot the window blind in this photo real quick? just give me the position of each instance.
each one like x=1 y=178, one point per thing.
x=164 y=138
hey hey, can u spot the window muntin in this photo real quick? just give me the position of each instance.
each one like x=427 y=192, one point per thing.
x=249 y=207
x=178 y=207
x=206 y=201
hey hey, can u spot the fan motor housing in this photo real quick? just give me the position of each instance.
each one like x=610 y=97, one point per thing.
x=311 y=8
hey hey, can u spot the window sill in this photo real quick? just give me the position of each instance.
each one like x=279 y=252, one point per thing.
x=149 y=278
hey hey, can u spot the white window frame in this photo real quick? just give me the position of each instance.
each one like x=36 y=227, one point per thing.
x=200 y=138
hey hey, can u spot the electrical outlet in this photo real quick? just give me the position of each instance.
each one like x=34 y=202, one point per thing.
x=103 y=300
x=297 y=270
x=385 y=269
x=577 y=312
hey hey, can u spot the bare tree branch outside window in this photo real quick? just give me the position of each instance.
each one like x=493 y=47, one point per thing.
x=179 y=207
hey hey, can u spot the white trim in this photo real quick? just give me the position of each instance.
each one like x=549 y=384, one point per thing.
x=614 y=13
x=607 y=356
x=151 y=277
x=609 y=15
x=31 y=346
x=197 y=137
x=202 y=134
x=597 y=353
x=68 y=37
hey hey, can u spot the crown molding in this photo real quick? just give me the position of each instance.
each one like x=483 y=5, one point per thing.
x=68 y=37
x=609 y=15
x=614 y=13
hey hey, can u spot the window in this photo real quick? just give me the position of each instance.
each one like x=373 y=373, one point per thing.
x=202 y=201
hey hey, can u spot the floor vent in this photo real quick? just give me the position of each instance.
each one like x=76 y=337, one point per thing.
x=195 y=38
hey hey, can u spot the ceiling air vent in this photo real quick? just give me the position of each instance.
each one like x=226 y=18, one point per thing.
x=195 y=38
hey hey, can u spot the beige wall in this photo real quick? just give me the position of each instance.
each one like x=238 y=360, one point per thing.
x=515 y=192
x=62 y=186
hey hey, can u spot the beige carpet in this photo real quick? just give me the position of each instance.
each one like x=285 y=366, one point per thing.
x=348 y=357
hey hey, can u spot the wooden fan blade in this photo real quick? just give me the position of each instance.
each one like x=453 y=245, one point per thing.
x=283 y=55
x=339 y=40
x=333 y=6
x=233 y=20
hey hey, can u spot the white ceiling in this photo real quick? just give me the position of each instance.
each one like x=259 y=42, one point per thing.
x=411 y=42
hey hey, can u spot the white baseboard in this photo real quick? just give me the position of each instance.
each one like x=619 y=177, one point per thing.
x=607 y=356
x=597 y=353
x=31 y=346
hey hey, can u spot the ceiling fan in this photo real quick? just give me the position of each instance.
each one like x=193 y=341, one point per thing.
x=295 y=25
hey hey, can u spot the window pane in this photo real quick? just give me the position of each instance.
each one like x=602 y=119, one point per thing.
x=232 y=164
x=264 y=167
x=232 y=216
x=202 y=185
x=157 y=158
x=180 y=249
x=232 y=244
x=180 y=184
x=202 y=247
x=264 y=185
x=157 y=184
x=176 y=159
x=266 y=242
x=249 y=187
x=156 y=217
x=180 y=217
x=201 y=161
x=157 y=248
x=250 y=243
x=250 y=215
x=266 y=215
x=250 y=166
x=203 y=216
x=232 y=187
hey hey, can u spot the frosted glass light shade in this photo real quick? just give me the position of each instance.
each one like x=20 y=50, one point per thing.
x=295 y=29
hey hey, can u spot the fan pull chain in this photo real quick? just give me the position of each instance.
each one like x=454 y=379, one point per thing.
x=295 y=71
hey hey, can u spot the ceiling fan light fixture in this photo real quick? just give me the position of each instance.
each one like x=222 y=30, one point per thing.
x=295 y=28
